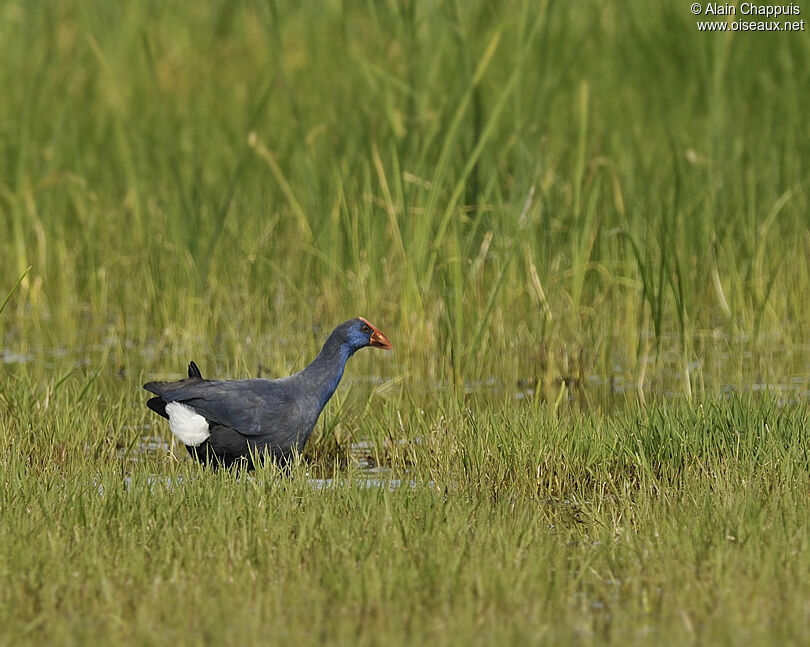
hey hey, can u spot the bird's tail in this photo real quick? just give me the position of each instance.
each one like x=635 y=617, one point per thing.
x=193 y=370
x=158 y=406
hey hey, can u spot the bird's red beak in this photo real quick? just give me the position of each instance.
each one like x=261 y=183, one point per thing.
x=377 y=339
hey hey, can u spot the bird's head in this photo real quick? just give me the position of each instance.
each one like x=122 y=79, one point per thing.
x=360 y=333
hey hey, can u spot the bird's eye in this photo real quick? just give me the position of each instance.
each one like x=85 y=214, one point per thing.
x=366 y=329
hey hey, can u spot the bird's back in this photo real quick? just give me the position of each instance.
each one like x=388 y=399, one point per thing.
x=276 y=410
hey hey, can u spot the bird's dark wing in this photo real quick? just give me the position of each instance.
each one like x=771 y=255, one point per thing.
x=252 y=407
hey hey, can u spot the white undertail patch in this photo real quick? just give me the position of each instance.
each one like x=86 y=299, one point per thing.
x=187 y=425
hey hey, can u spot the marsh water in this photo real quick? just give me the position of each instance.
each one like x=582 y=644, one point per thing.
x=722 y=368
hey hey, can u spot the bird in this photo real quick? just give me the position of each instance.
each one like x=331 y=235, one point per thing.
x=224 y=423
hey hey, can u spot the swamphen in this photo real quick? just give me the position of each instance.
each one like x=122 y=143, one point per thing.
x=222 y=422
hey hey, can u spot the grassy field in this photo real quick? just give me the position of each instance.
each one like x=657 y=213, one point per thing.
x=584 y=226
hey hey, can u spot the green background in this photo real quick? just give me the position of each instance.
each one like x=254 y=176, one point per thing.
x=584 y=226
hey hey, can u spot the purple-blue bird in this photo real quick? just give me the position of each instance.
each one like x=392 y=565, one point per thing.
x=223 y=422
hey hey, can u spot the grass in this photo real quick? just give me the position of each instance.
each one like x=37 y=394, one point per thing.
x=675 y=525
x=600 y=210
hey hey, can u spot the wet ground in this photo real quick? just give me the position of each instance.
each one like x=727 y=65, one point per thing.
x=724 y=367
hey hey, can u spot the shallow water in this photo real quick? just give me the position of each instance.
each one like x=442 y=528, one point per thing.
x=372 y=476
x=367 y=483
x=717 y=364
x=721 y=367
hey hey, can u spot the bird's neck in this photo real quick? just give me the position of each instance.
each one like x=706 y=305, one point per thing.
x=324 y=373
